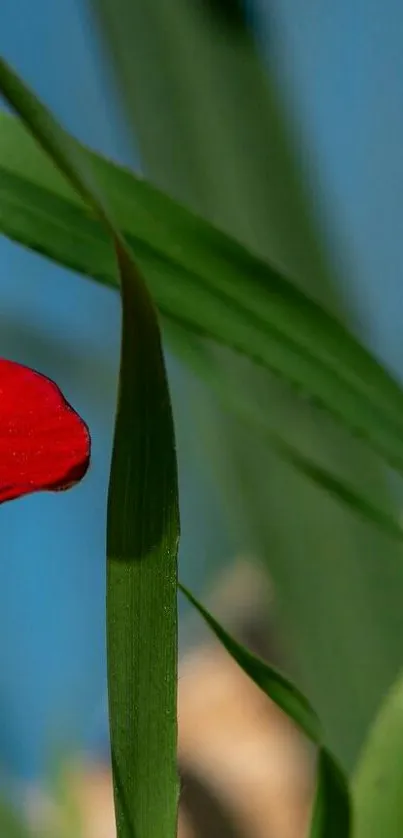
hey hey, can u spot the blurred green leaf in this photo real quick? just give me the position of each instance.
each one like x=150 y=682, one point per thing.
x=211 y=283
x=378 y=783
x=344 y=492
x=11 y=825
x=331 y=811
x=214 y=128
x=143 y=528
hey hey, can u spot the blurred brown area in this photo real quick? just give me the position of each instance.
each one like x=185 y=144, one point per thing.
x=243 y=749
x=245 y=770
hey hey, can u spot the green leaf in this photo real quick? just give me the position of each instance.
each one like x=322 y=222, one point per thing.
x=86 y=249
x=331 y=811
x=378 y=783
x=11 y=825
x=143 y=531
x=272 y=682
x=203 y=278
x=344 y=492
x=183 y=261
x=214 y=128
x=331 y=817
x=143 y=527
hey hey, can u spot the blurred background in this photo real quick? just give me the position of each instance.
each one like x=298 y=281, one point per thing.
x=282 y=122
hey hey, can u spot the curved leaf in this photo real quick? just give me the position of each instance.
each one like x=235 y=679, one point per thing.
x=270 y=680
x=331 y=817
x=198 y=275
x=331 y=811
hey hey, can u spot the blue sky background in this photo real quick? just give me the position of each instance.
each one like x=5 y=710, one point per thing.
x=343 y=63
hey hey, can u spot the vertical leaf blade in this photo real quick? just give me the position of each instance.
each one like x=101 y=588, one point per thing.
x=331 y=817
x=143 y=525
x=143 y=528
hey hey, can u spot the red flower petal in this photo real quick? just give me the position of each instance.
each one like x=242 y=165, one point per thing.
x=43 y=442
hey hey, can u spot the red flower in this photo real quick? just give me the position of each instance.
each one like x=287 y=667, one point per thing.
x=43 y=442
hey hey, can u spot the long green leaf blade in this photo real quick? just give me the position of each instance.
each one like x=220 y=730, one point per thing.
x=211 y=283
x=84 y=248
x=378 y=783
x=143 y=525
x=272 y=682
x=214 y=128
x=143 y=529
x=331 y=812
x=164 y=232
x=247 y=350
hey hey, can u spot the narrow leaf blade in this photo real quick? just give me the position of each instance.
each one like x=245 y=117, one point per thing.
x=331 y=813
x=272 y=682
x=143 y=530
x=331 y=816
x=143 y=525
